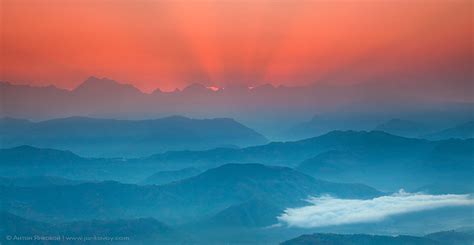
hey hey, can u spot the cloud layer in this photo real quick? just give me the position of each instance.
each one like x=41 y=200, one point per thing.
x=327 y=211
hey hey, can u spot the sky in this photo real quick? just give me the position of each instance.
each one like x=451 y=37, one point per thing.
x=170 y=44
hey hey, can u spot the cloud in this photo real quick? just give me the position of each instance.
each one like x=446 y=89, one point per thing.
x=327 y=211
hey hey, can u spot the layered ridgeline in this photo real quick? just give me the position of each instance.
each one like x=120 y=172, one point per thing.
x=151 y=231
x=461 y=131
x=438 y=238
x=265 y=107
x=127 y=138
x=188 y=200
x=29 y=156
x=165 y=177
x=132 y=231
x=409 y=128
x=221 y=202
x=405 y=128
x=375 y=158
x=425 y=129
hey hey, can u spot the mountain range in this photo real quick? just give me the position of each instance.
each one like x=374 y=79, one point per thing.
x=404 y=128
x=438 y=238
x=25 y=155
x=348 y=156
x=126 y=138
x=461 y=131
x=226 y=195
x=186 y=200
x=131 y=231
x=415 y=129
x=266 y=108
x=165 y=177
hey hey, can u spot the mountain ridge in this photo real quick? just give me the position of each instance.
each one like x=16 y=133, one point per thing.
x=460 y=131
x=266 y=108
x=184 y=200
x=84 y=135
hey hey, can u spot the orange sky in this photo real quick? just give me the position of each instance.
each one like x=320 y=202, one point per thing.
x=171 y=43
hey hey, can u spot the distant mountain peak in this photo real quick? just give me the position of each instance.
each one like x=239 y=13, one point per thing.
x=25 y=147
x=195 y=87
x=358 y=136
x=157 y=91
x=37 y=149
x=95 y=81
x=28 y=155
x=103 y=85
